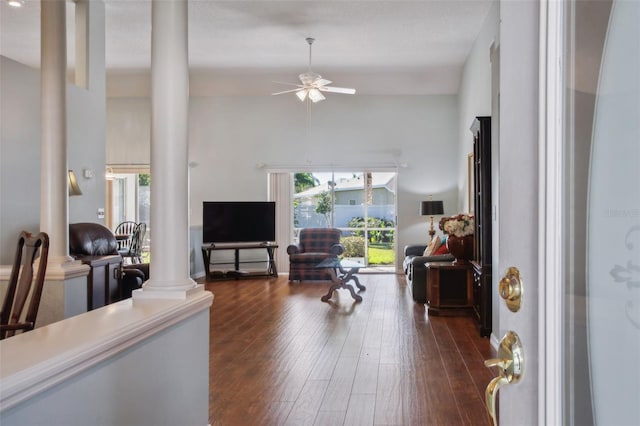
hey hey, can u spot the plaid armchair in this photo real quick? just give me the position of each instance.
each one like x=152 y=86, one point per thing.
x=316 y=244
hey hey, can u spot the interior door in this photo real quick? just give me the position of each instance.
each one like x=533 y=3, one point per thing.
x=571 y=220
x=515 y=188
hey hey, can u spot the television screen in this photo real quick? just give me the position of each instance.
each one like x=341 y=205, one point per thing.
x=238 y=221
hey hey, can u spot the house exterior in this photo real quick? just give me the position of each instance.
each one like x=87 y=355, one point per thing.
x=349 y=198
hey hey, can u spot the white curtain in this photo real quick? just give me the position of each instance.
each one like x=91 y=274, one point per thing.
x=280 y=190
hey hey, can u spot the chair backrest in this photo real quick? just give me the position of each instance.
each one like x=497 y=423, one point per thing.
x=125 y=228
x=22 y=282
x=138 y=239
x=318 y=240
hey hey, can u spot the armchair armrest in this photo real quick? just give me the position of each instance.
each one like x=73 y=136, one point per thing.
x=130 y=272
x=414 y=249
x=293 y=249
x=336 y=249
x=419 y=261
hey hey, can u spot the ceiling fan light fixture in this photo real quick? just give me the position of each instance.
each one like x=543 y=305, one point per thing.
x=312 y=84
x=302 y=94
x=316 y=96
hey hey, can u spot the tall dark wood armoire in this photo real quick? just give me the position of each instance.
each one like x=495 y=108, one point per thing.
x=481 y=129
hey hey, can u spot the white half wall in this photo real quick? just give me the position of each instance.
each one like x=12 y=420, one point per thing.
x=129 y=363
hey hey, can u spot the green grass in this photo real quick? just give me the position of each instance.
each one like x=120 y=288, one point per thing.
x=381 y=256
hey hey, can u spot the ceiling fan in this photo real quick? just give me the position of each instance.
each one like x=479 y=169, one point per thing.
x=313 y=84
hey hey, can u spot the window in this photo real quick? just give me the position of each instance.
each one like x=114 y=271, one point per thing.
x=129 y=198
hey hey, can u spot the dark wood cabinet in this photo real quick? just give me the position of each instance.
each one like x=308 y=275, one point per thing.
x=102 y=282
x=449 y=288
x=481 y=130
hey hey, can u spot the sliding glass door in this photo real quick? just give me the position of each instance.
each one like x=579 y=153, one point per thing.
x=361 y=204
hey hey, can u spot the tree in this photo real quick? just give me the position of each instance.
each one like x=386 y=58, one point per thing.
x=144 y=179
x=323 y=206
x=304 y=181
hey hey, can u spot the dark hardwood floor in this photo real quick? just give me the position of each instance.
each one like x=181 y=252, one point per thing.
x=280 y=356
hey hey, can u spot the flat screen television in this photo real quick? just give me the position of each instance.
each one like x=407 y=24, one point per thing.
x=238 y=221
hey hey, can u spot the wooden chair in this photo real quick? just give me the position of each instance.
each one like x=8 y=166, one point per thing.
x=125 y=228
x=21 y=283
x=137 y=240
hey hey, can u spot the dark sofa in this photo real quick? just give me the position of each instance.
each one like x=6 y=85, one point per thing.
x=416 y=273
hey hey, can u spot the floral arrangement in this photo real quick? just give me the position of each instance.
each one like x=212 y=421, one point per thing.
x=459 y=225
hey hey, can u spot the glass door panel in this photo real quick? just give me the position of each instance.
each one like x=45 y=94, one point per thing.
x=602 y=294
x=361 y=204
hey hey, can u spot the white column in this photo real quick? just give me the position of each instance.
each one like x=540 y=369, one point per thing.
x=65 y=289
x=169 y=221
x=54 y=201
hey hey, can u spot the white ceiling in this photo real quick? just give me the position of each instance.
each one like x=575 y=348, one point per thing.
x=242 y=47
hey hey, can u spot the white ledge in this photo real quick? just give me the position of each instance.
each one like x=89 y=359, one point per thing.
x=40 y=359
x=54 y=272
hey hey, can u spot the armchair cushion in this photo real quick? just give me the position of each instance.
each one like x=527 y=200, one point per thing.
x=433 y=246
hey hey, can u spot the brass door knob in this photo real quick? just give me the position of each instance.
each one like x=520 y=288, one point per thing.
x=510 y=289
x=511 y=363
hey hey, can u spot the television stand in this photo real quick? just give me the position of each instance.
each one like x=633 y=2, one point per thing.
x=237 y=272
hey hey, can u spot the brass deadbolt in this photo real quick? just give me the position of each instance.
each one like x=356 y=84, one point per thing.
x=510 y=289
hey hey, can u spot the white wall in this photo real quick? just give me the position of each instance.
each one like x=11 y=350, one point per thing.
x=86 y=125
x=20 y=142
x=230 y=136
x=19 y=154
x=474 y=98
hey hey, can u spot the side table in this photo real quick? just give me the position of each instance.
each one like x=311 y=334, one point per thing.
x=449 y=288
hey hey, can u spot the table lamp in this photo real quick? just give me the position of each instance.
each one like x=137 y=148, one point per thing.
x=431 y=208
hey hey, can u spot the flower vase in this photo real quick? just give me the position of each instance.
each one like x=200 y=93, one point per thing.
x=461 y=248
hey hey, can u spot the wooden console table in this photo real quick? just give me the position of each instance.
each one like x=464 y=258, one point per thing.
x=449 y=288
x=237 y=273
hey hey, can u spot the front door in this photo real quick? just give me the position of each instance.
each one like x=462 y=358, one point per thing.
x=568 y=214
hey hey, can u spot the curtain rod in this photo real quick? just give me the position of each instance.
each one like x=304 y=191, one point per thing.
x=368 y=167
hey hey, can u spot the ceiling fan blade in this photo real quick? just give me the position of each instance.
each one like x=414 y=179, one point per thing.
x=322 y=82
x=344 y=90
x=286 y=91
x=288 y=84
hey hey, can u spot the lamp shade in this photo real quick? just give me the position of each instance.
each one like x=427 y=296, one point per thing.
x=74 y=189
x=431 y=208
